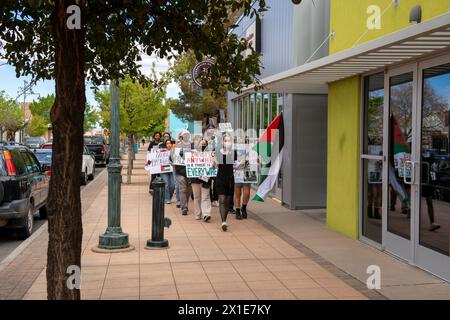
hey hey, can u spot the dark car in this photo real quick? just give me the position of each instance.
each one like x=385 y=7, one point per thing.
x=44 y=157
x=23 y=188
x=98 y=147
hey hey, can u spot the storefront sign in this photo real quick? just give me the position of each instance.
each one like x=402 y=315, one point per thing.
x=200 y=164
x=159 y=161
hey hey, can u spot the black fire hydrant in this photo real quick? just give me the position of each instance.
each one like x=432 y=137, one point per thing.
x=158 y=219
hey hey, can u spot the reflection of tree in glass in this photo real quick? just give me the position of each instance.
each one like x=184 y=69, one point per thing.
x=434 y=109
x=401 y=107
x=375 y=119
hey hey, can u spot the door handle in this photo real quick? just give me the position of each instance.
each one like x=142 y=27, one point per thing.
x=413 y=173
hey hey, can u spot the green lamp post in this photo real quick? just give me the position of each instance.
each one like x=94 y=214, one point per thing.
x=114 y=238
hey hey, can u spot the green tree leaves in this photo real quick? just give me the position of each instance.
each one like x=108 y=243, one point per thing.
x=142 y=110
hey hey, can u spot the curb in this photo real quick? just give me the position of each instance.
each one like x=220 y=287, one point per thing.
x=17 y=251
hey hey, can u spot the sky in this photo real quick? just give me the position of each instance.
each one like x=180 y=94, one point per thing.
x=11 y=85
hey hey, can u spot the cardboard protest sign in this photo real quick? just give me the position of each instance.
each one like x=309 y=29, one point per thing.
x=246 y=168
x=177 y=159
x=200 y=164
x=225 y=127
x=160 y=161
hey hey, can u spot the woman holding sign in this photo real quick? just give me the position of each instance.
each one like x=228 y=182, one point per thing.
x=201 y=189
x=225 y=177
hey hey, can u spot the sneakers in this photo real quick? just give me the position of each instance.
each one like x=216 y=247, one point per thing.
x=244 y=211
x=178 y=204
x=206 y=218
x=198 y=217
x=434 y=226
x=224 y=226
x=215 y=203
x=238 y=214
x=232 y=211
x=168 y=202
x=184 y=212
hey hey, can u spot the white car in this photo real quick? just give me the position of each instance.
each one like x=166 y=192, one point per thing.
x=88 y=166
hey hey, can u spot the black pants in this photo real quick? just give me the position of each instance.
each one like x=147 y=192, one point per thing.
x=224 y=206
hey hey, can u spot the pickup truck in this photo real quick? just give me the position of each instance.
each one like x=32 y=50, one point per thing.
x=99 y=147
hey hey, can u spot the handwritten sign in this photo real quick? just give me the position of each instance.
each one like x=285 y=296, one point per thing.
x=160 y=161
x=200 y=164
x=225 y=127
x=246 y=168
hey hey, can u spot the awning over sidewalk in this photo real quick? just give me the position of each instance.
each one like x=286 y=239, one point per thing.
x=427 y=38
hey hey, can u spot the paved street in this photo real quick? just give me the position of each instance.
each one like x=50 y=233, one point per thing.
x=248 y=262
x=8 y=242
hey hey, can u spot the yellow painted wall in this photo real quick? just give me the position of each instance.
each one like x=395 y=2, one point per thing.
x=349 y=19
x=343 y=155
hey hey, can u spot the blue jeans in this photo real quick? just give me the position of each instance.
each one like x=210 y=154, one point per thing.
x=170 y=185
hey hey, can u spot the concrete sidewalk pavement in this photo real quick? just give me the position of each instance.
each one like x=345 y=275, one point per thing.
x=247 y=262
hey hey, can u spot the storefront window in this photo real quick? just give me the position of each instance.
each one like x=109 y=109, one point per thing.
x=266 y=110
x=274 y=106
x=252 y=111
x=372 y=162
x=258 y=112
x=373 y=114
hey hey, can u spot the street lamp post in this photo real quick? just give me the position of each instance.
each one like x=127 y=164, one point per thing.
x=114 y=238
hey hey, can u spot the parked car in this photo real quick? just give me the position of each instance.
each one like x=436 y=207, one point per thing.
x=44 y=157
x=99 y=147
x=88 y=166
x=23 y=188
x=34 y=142
x=47 y=145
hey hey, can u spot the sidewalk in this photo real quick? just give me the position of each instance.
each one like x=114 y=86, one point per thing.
x=307 y=230
x=247 y=262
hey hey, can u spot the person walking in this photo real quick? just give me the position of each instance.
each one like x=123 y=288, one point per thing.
x=225 y=177
x=153 y=144
x=168 y=177
x=201 y=189
x=182 y=146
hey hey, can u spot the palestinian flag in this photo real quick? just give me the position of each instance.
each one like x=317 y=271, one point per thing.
x=270 y=150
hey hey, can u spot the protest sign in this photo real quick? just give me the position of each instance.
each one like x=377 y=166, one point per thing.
x=225 y=127
x=159 y=161
x=177 y=159
x=200 y=164
x=246 y=169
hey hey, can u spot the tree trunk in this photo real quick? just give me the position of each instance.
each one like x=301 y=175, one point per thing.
x=64 y=206
x=130 y=157
x=133 y=140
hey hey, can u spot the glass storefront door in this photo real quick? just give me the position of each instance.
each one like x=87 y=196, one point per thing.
x=433 y=201
x=401 y=96
x=415 y=164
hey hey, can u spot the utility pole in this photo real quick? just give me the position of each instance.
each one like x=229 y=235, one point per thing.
x=25 y=90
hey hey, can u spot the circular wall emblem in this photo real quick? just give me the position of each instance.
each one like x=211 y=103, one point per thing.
x=200 y=69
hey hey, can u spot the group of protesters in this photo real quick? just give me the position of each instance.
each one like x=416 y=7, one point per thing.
x=221 y=190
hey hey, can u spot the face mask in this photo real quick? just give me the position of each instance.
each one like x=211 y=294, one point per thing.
x=186 y=138
x=227 y=145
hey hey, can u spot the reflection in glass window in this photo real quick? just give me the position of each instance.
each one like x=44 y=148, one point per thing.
x=435 y=161
x=373 y=145
x=373 y=114
x=266 y=110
